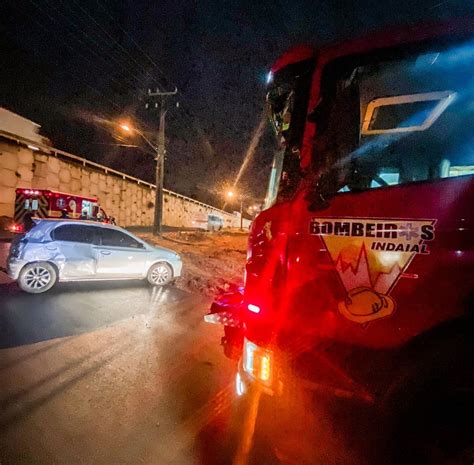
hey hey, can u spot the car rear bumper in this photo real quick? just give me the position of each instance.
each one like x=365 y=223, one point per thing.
x=14 y=267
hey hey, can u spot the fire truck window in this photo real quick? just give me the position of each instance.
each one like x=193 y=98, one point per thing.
x=287 y=99
x=27 y=204
x=114 y=238
x=74 y=233
x=34 y=204
x=415 y=121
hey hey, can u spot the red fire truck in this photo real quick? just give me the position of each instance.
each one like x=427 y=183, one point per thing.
x=43 y=203
x=355 y=325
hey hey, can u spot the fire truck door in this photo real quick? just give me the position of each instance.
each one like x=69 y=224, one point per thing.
x=37 y=205
x=375 y=257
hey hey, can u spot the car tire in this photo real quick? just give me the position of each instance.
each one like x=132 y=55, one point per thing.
x=160 y=274
x=37 y=277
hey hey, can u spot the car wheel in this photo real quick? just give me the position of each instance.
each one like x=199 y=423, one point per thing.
x=160 y=274
x=36 y=278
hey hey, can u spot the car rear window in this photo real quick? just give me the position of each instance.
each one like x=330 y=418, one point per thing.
x=74 y=233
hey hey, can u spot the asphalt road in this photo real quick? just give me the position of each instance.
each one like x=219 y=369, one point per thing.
x=112 y=373
x=123 y=373
x=74 y=308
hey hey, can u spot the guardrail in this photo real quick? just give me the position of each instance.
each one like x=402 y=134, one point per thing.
x=48 y=150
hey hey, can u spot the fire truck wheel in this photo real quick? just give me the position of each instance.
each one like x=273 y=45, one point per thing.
x=160 y=274
x=37 y=277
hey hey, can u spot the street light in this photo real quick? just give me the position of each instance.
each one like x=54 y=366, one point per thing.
x=129 y=129
x=159 y=152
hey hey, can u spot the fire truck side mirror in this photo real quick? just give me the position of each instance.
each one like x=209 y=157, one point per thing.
x=324 y=189
x=318 y=202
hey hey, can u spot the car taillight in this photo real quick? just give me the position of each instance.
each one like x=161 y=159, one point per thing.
x=258 y=362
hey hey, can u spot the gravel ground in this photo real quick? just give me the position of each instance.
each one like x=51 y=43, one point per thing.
x=211 y=261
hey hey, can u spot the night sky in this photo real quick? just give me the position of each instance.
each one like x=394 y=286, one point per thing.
x=74 y=65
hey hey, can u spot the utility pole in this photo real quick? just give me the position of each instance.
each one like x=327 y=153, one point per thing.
x=160 y=157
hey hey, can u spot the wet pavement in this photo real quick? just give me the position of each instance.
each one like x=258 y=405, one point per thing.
x=112 y=373
x=74 y=308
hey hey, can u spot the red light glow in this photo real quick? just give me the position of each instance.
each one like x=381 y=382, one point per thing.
x=16 y=228
x=30 y=192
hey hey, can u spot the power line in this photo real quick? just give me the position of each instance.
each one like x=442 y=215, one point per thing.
x=104 y=55
x=135 y=43
x=114 y=41
x=193 y=118
x=100 y=56
x=124 y=69
x=73 y=75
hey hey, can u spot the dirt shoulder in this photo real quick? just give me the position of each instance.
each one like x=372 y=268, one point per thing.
x=211 y=261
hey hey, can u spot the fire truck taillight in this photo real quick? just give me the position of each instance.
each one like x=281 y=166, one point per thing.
x=258 y=362
x=253 y=308
x=31 y=192
x=16 y=228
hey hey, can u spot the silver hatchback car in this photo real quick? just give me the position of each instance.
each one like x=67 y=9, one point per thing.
x=71 y=250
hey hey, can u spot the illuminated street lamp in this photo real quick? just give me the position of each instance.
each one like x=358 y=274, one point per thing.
x=127 y=128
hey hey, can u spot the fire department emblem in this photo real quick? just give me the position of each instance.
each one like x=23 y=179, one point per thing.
x=72 y=205
x=370 y=256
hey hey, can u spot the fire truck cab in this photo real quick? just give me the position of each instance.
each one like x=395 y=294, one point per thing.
x=44 y=203
x=359 y=286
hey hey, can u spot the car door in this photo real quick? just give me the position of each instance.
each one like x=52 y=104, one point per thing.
x=119 y=255
x=72 y=251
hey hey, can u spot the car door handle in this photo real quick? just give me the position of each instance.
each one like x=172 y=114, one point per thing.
x=105 y=252
x=51 y=248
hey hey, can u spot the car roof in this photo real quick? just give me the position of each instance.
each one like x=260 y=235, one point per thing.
x=57 y=221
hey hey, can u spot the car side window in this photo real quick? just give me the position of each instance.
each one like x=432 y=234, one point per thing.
x=74 y=233
x=114 y=238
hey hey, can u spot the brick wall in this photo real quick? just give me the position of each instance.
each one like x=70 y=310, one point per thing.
x=128 y=199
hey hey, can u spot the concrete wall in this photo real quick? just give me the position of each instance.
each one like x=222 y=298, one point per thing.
x=128 y=199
